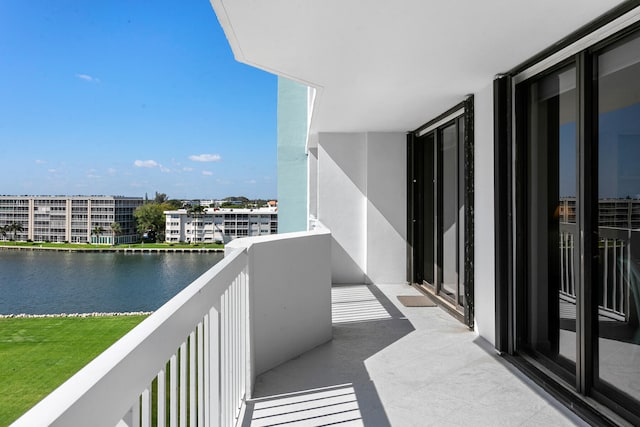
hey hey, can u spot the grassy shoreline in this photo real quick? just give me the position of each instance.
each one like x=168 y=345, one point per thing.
x=37 y=354
x=83 y=247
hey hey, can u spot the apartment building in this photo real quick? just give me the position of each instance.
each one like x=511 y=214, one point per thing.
x=219 y=225
x=70 y=218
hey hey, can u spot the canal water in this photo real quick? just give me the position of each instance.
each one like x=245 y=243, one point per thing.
x=42 y=282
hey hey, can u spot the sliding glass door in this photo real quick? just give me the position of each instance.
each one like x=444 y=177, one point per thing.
x=578 y=288
x=440 y=212
x=551 y=160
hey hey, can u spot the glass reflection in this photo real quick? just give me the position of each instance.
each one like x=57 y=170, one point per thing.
x=551 y=293
x=449 y=210
x=619 y=217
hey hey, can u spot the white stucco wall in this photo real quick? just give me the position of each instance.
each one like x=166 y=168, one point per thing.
x=361 y=198
x=342 y=202
x=386 y=207
x=484 y=241
x=290 y=280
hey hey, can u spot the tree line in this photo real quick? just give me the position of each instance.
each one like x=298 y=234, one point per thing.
x=14 y=227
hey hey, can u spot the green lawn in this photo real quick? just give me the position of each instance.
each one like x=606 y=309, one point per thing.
x=39 y=354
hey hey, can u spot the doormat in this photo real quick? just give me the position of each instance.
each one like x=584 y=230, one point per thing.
x=416 y=301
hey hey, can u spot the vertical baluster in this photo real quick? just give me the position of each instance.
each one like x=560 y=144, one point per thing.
x=563 y=271
x=244 y=333
x=628 y=281
x=173 y=392
x=621 y=291
x=146 y=408
x=248 y=372
x=229 y=354
x=615 y=274
x=183 y=384
x=234 y=337
x=566 y=262
x=162 y=398
x=606 y=273
x=192 y=379
x=573 y=265
x=207 y=370
x=224 y=353
x=238 y=336
x=200 y=375
x=215 y=375
x=241 y=335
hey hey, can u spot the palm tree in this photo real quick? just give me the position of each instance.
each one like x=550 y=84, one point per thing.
x=3 y=231
x=16 y=227
x=196 y=212
x=97 y=230
x=116 y=229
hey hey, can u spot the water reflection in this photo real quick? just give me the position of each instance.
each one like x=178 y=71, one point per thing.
x=63 y=282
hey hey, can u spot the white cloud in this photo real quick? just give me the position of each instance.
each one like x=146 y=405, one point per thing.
x=207 y=173
x=40 y=162
x=112 y=171
x=146 y=163
x=187 y=169
x=205 y=157
x=52 y=170
x=93 y=176
x=252 y=181
x=88 y=78
x=165 y=170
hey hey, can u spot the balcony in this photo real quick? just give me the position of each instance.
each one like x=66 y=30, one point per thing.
x=250 y=343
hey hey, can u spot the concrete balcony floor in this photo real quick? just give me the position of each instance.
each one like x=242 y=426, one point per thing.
x=390 y=365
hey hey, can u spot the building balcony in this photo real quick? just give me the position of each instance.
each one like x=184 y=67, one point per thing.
x=263 y=338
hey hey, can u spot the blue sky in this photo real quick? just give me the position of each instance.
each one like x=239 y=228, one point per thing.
x=128 y=98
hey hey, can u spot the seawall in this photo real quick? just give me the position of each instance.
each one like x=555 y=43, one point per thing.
x=113 y=249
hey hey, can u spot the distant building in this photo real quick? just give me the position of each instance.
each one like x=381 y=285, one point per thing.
x=219 y=225
x=70 y=218
x=615 y=213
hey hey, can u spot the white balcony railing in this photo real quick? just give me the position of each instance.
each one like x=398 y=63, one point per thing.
x=193 y=361
x=617 y=276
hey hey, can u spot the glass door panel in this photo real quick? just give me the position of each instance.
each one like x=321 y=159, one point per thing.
x=449 y=210
x=619 y=217
x=551 y=291
x=427 y=201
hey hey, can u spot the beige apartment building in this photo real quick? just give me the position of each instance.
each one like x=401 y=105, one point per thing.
x=70 y=218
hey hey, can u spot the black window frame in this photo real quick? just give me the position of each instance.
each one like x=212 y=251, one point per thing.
x=510 y=186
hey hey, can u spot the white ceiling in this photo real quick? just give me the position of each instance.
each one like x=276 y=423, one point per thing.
x=394 y=65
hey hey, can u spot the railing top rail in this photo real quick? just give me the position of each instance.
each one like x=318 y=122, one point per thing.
x=136 y=357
